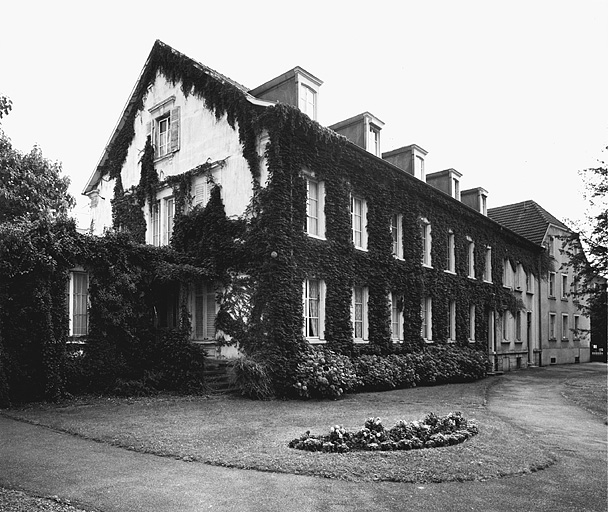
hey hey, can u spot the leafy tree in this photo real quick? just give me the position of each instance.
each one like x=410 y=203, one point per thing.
x=31 y=186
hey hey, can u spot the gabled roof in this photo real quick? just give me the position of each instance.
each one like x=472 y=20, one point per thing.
x=161 y=57
x=527 y=219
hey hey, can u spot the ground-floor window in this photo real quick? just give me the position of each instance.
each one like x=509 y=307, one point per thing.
x=205 y=310
x=78 y=303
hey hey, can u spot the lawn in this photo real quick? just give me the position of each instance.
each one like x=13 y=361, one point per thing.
x=237 y=432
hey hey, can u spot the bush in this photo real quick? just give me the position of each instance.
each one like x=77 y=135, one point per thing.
x=324 y=373
x=378 y=373
x=431 y=432
x=253 y=378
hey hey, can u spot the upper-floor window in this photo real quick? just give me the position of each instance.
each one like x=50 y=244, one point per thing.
x=472 y=314
x=308 y=101
x=565 y=327
x=487 y=270
x=551 y=246
x=564 y=286
x=314 y=308
x=373 y=140
x=358 y=210
x=426 y=314
x=315 y=199
x=203 y=188
x=164 y=127
x=425 y=234
x=359 y=313
x=169 y=217
x=397 y=235
x=451 y=267
x=155 y=224
x=419 y=167
x=551 y=284
x=507 y=273
x=470 y=258
x=529 y=282
x=78 y=303
x=552 y=320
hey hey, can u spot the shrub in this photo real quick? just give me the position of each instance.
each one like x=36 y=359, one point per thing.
x=253 y=378
x=324 y=373
x=378 y=373
x=431 y=432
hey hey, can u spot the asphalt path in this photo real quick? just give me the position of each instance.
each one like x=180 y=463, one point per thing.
x=104 y=478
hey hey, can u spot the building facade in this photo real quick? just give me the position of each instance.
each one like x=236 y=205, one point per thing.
x=345 y=245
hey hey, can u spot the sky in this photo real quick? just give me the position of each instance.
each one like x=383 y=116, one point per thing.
x=512 y=94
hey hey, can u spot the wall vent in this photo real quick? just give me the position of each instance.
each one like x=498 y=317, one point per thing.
x=553 y=360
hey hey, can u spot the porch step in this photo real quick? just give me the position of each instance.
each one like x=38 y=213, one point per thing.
x=219 y=376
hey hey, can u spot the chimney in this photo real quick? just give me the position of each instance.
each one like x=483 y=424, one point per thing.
x=408 y=158
x=447 y=181
x=363 y=129
x=296 y=87
x=476 y=198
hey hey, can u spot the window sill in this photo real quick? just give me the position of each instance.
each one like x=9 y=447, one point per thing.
x=400 y=258
x=361 y=341
x=552 y=339
x=427 y=341
x=472 y=278
x=316 y=237
x=451 y=272
x=505 y=342
x=551 y=297
x=472 y=341
x=529 y=293
x=168 y=156
x=488 y=282
x=426 y=265
x=566 y=340
x=362 y=249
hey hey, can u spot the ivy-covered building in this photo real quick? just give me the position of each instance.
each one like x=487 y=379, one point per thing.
x=303 y=233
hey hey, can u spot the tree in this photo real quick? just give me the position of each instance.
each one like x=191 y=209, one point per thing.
x=31 y=186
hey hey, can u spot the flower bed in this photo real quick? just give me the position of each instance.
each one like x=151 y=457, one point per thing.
x=431 y=432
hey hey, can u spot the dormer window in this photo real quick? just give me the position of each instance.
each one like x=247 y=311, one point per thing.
x=373 y=140
x=419 y=167
x=456 y=188
x=307 y=102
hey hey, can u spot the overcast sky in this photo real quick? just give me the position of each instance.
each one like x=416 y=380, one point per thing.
x=512 y=94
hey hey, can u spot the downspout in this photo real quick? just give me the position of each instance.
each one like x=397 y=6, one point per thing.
x=540 y=318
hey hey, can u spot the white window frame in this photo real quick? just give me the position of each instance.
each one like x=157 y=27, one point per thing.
x=577 y=327
x=155 y=224
x=397 y=235
x=530 y=283
x=565 y=327
x=360 y=335
x=427 y=242
x=373 y=140
x=551 y=285
x=308 y=299
x=203 y=187
x=319 y=202
x=74 y=310
x=426 y=314
x=506 y=326
x=396 y=317
x=507 y=274
x=472 y=315
x=360 y=242
x=552 y=326
x=307 y=100
x=564 y=286
x=487 y=269
x=168 y=218
x=452 y=321
x=470 y=258
x=451 y=253
x=203 y=305
x=518 y=327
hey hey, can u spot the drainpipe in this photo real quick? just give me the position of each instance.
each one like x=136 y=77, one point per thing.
x=540 y=319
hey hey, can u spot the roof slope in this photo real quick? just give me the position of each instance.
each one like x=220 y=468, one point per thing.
x=527 y=219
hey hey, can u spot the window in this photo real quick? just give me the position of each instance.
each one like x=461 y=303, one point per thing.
x=359 y=313
x=487 y=269
x=552 y=284
x=397 y=235
x=456 y=188
x=314 y=309
x=518 y=327
x=577 y=326
x=452 y=321
x=204 y=187
x=472 y=313
x=169 y=215
x=506 y=327
x=78 y=303
x=451 y=252
x=484 y=205
x=491 y=331
x=565 y=327
x=396 y=316
x=425 y=233
x=155 y=222
x=564 y=286
x=358 y=210
x=471 y=258
x=308 y=101
x=519 y=272
x=419 y=167
x=315 y=206
x=552 y=320
x=551 y=246
x=507 y=274
x=204 y=312
x=373 y=140
x=164 y=128
x=426 y=314
x=529 y=283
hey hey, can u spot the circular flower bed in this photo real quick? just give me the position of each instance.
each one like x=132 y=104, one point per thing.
x=431 y=432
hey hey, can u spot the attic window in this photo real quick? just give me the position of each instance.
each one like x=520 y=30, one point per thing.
x=373 y=140
x=308 y=101
x=164 y=128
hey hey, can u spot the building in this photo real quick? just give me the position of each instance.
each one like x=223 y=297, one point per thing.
x=344 y=244
x=564 y=327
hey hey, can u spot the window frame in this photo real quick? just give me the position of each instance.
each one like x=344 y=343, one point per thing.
x=80 y=311
x=397 y=318
x=472 y=320
x=551 y=290
x=470 y=258
x=307 y=317
x=565 y=326
x=552 y=327
x=320 y=203
x=426 y=235
x=451 y=263
x=426 y=315
x=487 y=269
x=397 y=235
x=564 y=286
x=363 y=321
x=451 y=321
x=362 y=246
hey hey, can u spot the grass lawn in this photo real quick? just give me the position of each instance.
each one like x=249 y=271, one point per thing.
x=237 y=432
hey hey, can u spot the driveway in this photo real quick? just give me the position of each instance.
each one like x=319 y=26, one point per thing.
x=105 y=478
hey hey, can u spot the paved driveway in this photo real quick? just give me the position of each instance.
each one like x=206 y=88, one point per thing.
x=108 y=479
